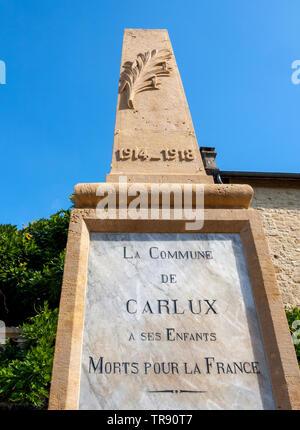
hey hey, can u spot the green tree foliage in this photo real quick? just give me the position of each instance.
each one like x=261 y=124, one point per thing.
x=31 y=269
x=25 y=374
x=294 y=315
x=31 y=266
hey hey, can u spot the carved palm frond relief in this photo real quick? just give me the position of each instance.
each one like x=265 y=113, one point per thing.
x=141 y=74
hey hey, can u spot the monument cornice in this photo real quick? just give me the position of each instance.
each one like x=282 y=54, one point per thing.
x=229 y=196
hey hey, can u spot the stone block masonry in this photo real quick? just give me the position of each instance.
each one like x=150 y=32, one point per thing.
x=280 y=212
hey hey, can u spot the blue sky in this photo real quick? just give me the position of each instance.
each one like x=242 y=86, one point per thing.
x=57 y=108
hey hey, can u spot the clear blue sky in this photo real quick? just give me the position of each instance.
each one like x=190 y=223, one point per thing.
x=57 y=109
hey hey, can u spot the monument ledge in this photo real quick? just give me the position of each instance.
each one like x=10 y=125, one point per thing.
x=215 y=195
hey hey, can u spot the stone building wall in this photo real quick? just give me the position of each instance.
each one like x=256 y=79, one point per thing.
x=280 y=211
x=278 y=202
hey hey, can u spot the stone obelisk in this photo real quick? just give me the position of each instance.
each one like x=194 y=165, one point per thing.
x=154 y=139
x=153 y=316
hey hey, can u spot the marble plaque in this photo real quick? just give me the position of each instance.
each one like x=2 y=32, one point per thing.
x=170 y=323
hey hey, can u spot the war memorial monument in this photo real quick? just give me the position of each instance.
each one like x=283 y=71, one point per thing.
x=159 y=310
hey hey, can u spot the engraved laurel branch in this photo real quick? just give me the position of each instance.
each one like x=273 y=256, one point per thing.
x=141 y=74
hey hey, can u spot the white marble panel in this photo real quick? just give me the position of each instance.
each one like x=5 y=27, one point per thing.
x=193 y=343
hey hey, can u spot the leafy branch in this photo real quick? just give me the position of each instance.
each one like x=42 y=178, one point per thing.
x=141 y=74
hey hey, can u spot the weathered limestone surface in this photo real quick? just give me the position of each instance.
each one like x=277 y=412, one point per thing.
x=159 y=120
x=215 y=195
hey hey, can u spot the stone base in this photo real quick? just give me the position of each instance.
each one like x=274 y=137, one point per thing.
x=278 y=347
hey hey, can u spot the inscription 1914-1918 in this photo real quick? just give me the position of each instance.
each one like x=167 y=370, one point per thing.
x=138 y=154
